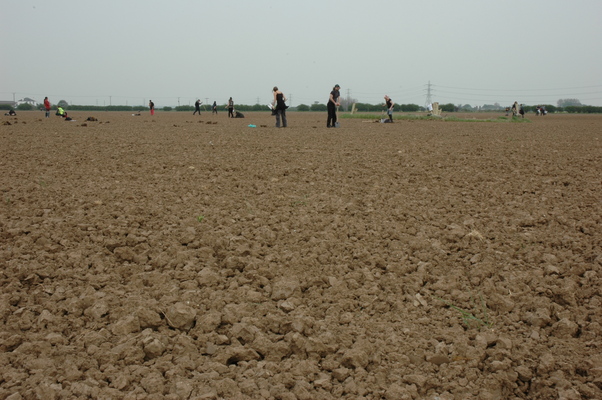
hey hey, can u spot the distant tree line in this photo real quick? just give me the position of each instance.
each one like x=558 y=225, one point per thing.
x=571 y=106
x=223 y=107
x=360 y=107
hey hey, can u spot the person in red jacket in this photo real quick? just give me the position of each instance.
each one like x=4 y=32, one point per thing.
x=47 y=107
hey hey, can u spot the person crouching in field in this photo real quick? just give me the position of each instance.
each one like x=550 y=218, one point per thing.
x=280 y=107
x=62 y=113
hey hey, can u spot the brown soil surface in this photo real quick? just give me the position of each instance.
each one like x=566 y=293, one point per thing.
x=185 y=257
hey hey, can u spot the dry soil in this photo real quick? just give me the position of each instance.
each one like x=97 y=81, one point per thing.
x=187 y=257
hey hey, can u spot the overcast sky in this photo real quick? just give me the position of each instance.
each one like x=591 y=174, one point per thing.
x=472 y=51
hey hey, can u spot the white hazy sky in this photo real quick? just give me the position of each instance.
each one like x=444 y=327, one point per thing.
x=472 y=51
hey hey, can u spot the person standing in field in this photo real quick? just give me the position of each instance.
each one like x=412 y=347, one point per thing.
x=230 y=108
x=280 y=107
x=197 y=107
x=47 y=106
x=214 y=108
x=151 y=105
x=390 y=106
x=333 y=103
x=521 y=111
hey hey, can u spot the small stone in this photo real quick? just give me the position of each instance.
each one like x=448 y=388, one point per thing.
x=565 y=328
x=524 y=373
x=438 y=359
x=180 y=316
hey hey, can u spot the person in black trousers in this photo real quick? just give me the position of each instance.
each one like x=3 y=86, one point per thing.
x=230 y=108
x=197 y=107
x=333 y=103
x=280 y=106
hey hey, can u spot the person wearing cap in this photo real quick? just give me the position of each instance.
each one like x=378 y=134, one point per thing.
x=279 y=107
x=333 y=103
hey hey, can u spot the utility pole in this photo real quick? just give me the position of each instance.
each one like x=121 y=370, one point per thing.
x=290 y=100
x=429 y=100
x=348 y=99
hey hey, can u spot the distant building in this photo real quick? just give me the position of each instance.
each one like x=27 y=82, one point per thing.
x=27 y=100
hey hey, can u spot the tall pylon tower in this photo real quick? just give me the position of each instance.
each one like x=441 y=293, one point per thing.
x=429 y=99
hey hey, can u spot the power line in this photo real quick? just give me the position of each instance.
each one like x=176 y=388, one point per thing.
x=520 y=90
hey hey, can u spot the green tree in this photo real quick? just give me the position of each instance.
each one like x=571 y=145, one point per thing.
x=410 y=107
x=447 y=107
x=302 y=107
x=62 y=103
x=24 y=107
x=318 y=107
x=568 y=102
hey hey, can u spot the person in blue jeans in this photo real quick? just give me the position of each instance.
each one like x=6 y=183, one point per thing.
x=333 y=103
x=280 y=107
x=389 y=104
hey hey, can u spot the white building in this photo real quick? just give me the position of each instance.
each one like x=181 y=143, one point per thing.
x=27 y=100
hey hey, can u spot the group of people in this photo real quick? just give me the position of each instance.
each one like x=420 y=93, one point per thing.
x=517 y=110
x=60 y=111
x=230 y=107
x=540 y=110
x=278 y=108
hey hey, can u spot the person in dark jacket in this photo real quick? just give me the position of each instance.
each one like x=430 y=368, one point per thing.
x=230 y=108
x=197 y=107
x=280 y=107
x=333 y=103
